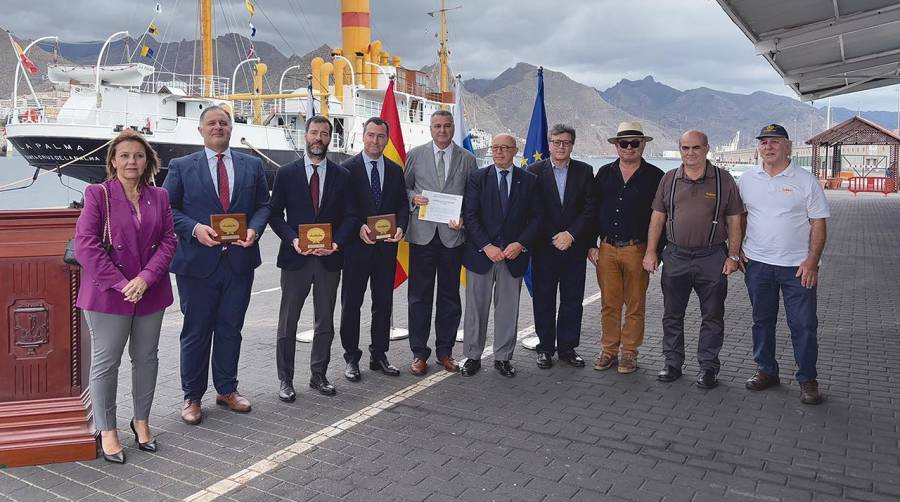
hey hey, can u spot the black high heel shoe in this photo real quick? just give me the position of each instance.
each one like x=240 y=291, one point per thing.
x=115 y=458
x=148 y=446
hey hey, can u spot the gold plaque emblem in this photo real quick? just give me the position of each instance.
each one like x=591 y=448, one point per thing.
x=315 y=235
x=229 y=225
x=382 y=226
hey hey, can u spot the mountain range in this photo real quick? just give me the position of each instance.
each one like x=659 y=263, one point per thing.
x=504 y=103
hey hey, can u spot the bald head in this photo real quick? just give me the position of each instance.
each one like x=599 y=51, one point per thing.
x=695 y=136
x=503 y=150
x=693 y=146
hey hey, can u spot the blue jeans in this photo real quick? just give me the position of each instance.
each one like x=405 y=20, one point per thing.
x=764 y=282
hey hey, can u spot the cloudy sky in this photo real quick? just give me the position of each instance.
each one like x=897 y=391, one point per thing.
x=683 y=43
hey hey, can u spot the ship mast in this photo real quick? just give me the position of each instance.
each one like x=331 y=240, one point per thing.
x=443 y=51
x=206 y=55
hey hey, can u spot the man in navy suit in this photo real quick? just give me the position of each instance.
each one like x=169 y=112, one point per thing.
x=309 y=190
x=213 y=279
x=376 y=187
x=559 y=255
x=502 y=222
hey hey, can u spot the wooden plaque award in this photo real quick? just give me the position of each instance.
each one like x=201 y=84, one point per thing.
x=382 y=226
x=230 y=227
x=315 y=236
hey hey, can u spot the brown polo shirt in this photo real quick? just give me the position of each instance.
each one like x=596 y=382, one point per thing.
x=695 y=201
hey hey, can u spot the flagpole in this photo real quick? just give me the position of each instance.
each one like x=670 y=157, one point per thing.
x=19 y=65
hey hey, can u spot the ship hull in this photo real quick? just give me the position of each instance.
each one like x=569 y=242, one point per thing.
x=49 y=153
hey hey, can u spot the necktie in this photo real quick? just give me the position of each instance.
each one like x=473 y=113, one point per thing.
x=376 y=184
x=314 y=188
x=440 y=169
x=224 y=193
x=504 y=191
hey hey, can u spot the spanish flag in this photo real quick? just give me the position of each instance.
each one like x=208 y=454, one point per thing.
x=22 y=57
x=152 y=30
x=397 y=153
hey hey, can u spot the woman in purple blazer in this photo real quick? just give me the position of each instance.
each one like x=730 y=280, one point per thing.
x=124 y=241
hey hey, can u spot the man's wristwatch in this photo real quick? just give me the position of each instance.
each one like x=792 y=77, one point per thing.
x=735 y=257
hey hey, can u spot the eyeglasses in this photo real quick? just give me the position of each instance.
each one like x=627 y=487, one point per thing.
x=561 y=143
x=501 y=148
x=624 y=144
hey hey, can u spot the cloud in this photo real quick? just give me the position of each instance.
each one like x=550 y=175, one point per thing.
x=685 y=44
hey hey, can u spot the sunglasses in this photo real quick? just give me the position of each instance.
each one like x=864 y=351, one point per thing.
x=635 y=143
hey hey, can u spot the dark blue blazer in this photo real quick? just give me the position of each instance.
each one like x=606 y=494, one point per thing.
x=485 y=224
x=573 y=214
x=393 y=200
x=290 y=195
x=194 y=198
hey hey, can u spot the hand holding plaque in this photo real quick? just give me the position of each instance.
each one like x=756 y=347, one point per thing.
x=314 y=236
x=382 y=226
x=231 y=227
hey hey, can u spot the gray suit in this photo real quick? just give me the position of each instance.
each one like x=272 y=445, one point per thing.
x=421 y=174
x=435 y=251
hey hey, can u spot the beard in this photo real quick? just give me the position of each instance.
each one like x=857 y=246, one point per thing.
x=317 y=149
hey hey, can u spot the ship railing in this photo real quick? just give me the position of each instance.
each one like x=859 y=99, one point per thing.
x=141 y=121
x=371 y=108
x=191 y=84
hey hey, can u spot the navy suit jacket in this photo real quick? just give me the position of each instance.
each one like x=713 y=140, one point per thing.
x=194 y=198
x=290 y=194
x=393 y=200
x=574 y=214
x=485 y=223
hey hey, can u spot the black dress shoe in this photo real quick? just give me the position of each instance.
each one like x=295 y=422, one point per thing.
x=669 y=374
x=470 y=367
x=707 y=379
x=148 y=446
x=505 y=368
x=321 y=384
x=384 y=366
x=286 y=392
x=544 y=360
x=573 y=359
x=351 y=372
x=116 y=458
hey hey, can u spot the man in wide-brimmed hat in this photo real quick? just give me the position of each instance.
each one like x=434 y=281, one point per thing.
x=623 y=193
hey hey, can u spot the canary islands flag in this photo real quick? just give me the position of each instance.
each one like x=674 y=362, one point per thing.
x=536 y=145
x=461 y=135
x=396 y=151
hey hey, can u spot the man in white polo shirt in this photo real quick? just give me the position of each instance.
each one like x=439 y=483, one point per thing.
x=784 y=239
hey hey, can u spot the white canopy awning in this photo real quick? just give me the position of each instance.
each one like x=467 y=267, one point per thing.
x=824 y=48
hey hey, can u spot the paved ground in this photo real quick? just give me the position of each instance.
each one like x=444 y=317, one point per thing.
x=564 y=433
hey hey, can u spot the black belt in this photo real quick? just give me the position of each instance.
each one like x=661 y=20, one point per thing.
x=619 y=244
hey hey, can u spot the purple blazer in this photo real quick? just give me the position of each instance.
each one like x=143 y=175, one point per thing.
x=144 y=250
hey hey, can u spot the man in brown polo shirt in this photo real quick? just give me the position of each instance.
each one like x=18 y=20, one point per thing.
x=700 y=207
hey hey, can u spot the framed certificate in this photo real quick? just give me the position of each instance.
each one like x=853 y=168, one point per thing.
x=441 y=207
x=231 y=227
x=382 y=226
x=315 y=236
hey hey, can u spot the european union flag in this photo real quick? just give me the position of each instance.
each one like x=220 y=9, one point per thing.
x=536 y=145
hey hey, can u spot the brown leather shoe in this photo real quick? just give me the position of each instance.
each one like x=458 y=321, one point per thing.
x=419 y=367
x=605 y=361
x=762 y=381
x=190 y=411
x=449 y=364
x=628 y=364
x=809 y=392
x=234 y=402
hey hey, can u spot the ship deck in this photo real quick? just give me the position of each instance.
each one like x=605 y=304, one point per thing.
x=558 y=434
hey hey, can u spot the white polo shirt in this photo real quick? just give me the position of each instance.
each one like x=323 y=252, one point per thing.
x=778 y=212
